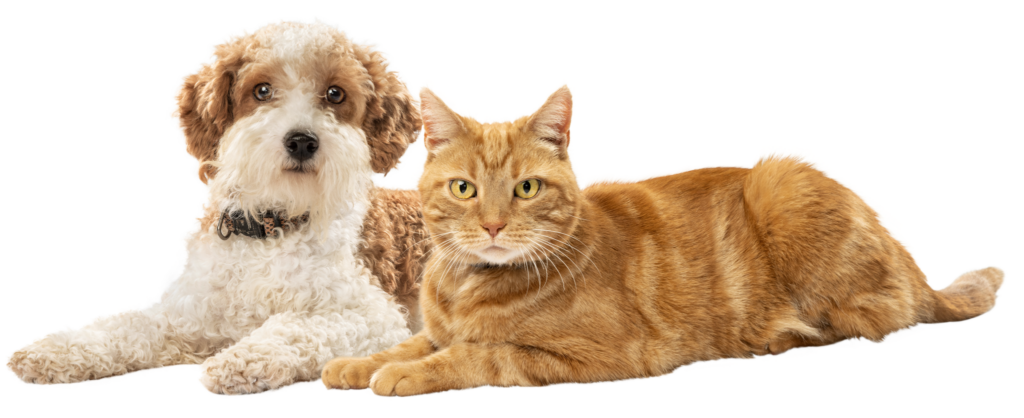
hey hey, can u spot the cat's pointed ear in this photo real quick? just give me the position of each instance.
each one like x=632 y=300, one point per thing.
x=440 y=124
x=551 y=121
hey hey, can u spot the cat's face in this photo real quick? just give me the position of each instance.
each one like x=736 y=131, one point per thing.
x=499 y=193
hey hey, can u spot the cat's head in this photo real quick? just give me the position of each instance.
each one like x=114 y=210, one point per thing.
x=499 y=193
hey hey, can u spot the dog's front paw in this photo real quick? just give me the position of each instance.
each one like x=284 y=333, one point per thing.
x=349 y=373
x=404 y=379
x=48 y=361
x=235 y=372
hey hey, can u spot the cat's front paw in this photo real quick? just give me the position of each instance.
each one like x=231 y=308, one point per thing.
x=349 y=373
x=236 y=372
x=404 y=379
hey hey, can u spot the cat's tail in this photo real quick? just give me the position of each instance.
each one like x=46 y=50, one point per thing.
x=970 y=295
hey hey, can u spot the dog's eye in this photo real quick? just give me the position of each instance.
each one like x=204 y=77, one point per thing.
x=263 y=92
x=335 y=94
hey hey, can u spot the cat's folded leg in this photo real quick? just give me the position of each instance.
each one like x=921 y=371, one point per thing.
x=354 y=373
x=110 y=346
x=293 y=347
x=789 y=341
x=466 y=365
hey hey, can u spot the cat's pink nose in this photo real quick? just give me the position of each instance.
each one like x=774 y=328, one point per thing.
x=494 y=227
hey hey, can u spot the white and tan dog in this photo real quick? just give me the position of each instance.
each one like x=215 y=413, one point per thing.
x=288 y=267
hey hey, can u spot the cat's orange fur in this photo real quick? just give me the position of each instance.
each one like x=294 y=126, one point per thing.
x=627 y=280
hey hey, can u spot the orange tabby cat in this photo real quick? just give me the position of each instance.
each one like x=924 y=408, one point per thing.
x=534 y=281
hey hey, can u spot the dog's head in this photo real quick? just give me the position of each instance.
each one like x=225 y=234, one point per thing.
x=295 y=117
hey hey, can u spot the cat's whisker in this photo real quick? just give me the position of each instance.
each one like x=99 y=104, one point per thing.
x=555 y=248
x=579 y=268
x=572 y=259
x=568 y=243
x=535 y=256
x=451 y=261
x=539 y=279
x=545 y=263
x=557 y=252
x=433 y=267
x=446 y=251
x=447 y=245
x=533 y=260
x=527 y=279
x=569 y=270
x=430 y=251
x=586 y=256
x=435 y=260
x=463 y=257
x=527 y=264
x=563 y=233
x=433 y=236
x=461 y=265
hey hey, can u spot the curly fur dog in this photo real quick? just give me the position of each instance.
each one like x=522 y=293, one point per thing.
x=299 y=259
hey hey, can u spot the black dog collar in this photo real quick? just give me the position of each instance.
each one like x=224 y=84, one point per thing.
x=241 y=223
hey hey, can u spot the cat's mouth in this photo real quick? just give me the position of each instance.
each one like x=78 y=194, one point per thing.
x=496 y=254
x=495 y=249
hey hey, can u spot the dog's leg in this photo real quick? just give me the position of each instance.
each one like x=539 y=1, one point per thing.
x=110 y=346
x=294 y=347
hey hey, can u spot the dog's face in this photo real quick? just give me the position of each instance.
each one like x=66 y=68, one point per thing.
x=295 y=117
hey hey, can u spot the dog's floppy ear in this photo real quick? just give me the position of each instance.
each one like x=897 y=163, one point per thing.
x=205 y=108
x=392 y=118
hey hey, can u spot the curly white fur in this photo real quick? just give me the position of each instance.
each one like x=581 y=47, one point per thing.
x=259 y=314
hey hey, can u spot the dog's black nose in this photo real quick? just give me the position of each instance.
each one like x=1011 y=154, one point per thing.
x=301 y=146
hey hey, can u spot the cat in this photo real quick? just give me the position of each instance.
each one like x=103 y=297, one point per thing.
x=534 y=281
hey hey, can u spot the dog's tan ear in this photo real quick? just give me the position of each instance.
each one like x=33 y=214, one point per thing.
x=392 y=118
x=204 y=106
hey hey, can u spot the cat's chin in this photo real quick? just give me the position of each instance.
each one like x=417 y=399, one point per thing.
x=497 y=255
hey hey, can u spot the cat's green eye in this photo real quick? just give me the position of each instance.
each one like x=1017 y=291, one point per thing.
x=462 y=189
x=528 y=188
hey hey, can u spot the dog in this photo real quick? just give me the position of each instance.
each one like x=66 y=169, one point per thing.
x=299 y=258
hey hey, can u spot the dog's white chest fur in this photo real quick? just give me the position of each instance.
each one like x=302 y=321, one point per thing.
x=245 y=281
